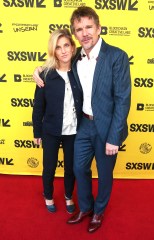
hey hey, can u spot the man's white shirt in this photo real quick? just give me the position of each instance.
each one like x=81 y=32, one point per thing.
x=85 y=69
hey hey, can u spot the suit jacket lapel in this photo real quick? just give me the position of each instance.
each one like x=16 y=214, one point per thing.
x=74 y=67
x=99 y=65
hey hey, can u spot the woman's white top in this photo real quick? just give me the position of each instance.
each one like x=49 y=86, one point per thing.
x=69 y=112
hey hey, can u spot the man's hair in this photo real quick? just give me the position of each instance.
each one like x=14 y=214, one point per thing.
x=84 y=12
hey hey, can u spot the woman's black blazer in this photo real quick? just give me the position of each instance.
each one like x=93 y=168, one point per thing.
x=47 y=115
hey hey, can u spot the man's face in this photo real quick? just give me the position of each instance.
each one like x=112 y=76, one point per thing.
x=86 y=32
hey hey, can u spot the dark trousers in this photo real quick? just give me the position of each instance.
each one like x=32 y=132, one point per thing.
x=87 y=146
x=51 y=146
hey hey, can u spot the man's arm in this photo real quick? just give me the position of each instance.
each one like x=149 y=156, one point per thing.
x=37 y=78
x=122 y=99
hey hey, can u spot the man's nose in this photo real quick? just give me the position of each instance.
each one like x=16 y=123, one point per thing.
x=84 y=31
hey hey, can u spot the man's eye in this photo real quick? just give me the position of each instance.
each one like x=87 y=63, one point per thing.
x=78 y=30
x=89 y=27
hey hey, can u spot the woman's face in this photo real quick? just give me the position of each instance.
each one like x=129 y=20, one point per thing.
x=64 y=50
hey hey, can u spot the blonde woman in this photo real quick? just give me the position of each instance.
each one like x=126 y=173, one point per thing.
x=56 y=115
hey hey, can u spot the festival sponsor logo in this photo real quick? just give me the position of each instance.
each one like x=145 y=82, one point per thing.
x=28 y=78
x=2 y=141
x=146 y=32
x=6 y=161
x=69 y=3
x=32 y=162
x=18 y=143
x=123 y=5
x=145 y=107
x=145 y=148
x=4 y=122
x=140 y=166
x=3 y=78
x=23 y=27
x=22 y=102
x=28 y=124
x=144 y=127
x=1 y=30
x=151 y=4
x=150 y=61
x=144 y=82
x=119 y=31
x=104 y=30
x=24 y=3
x=57 y=3
x=26 y=56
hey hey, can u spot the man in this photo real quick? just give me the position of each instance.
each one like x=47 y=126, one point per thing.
x=104 y=74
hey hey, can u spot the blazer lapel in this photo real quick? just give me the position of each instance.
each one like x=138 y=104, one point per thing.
x=99 y=65
x=74 y=67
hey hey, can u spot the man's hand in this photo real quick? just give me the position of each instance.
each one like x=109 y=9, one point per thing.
x=37 y=141
x=111 y=149
x=36 y=77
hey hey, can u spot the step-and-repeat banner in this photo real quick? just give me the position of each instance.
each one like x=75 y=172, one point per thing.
x=25 y=26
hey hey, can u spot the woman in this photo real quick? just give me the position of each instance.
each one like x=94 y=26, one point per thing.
x=56 y=115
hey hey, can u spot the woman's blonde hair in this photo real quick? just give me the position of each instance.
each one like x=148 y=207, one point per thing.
x=52 y=62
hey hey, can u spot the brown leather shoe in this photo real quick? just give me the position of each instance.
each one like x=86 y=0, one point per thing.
x=79 y=216
x=95 y=222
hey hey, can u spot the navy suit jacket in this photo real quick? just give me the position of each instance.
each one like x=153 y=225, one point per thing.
x=47 y=113
x=111 y=93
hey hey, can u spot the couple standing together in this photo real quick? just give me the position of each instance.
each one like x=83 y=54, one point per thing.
x=87 y=90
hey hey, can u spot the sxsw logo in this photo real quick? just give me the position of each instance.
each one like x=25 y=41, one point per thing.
x=25 y=144
x=6 y=161
x=130 y=60
x=57 y=3
x=0 y=28
x=24 y=3
x=122 y=148
x=2 y=141
x=139 y=166
x=143 y=82
x=145 y=32
x=53 y=27
x=22 y=102
x=2 y=78
x=130 y=5
x=5 y=123
x=26 y=56
x=141 y=127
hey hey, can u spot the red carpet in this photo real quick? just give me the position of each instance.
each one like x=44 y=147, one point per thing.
x=23 y=216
